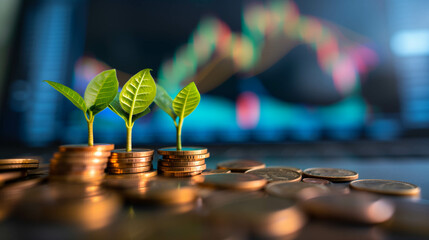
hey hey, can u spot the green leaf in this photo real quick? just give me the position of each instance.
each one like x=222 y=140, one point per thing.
x=186 y=100
x=69 y=93
x=101 y=91
x=138 y=93
x=115 y=106
x=139 y=115
x=164 y=101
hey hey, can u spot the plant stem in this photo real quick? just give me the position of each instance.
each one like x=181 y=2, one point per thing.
x=179 y=135
x=90 y=132
x=129 y=138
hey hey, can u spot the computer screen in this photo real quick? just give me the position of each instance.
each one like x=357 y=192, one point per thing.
x=268 y=71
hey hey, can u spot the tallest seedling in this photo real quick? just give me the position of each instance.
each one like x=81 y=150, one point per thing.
x=100 y=91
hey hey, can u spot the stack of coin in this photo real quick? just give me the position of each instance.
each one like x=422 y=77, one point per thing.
x=135 y=161
x=18 y=164
x=189 y=161
x=80 y=163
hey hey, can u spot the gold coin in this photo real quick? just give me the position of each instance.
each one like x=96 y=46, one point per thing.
x=130 y=160
x=180 y=163
x=182 y=169
x=185 y=158
x=185 y=151
x=85 y=148
x=316 y=181
x=70 y=160
x=78 y=155
x=295 y=190
x=331 y=174
x=19 y=166
x=268 y=217
x=238 y=181
x=129 y=165
x=166 y=192
x=148 y=174
x=18 y=161
x=215 y=171
x=135 y=153
x=129 y=170
x=273 y=174
x=6 y=176
x=179 y=174
x=240 y=165
x=388 y=187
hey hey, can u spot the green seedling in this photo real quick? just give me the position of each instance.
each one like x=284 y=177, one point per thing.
x=133 y=101
x=100 y=91
x=183 y=104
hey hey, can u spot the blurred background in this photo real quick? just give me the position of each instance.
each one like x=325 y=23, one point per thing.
x=270 y=71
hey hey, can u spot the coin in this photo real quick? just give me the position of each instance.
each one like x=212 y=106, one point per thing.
x=185 y=157
x=18 y=161
x=215 y=171
x=389 y=187
x=182 y=169
x=240 y=165
x=179 y=174
x=354 y=207
x=129 y=165
x=267 y=217
x=150 y=173
x=316 y=181
x=291 y=168
x=77 y=155
x=185 y=151
x=181 y=164
x=239 y=181
x=276 y=174
x=97 y=160
x=6 y=176
x=85 y=148
x=331 y=174
x=135 y=153
x=129 y=170
x=295 y=190
x=130 y=160
x=19 y=166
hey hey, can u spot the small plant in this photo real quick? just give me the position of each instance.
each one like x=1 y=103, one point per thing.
x=100 y=91
x=183 y=104
x=133 y=101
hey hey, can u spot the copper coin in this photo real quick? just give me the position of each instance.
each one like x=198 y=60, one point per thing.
x=179 y=174
x=19 y=166
x=273 y=174
x=135 y=153
x=185 y=151
x=388 y=187
x=185 y=157
x=316 y=181
x=129 y=165
x=182 y=169
x=215 y=171
x=240 y=165
x=18 y=161
x=238 y=181
x=70 y=160
x=291 y=168
x=77 y=155
x=331 y=174
x=148 y=174
x=181 y=164
x=295 y=190
x=129 y=170
x=131 y=160
x=85 y=148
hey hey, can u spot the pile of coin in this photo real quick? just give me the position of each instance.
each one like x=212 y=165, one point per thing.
x=189 y=161
x=80 y=163
x=135 y=161
x=17 y=167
